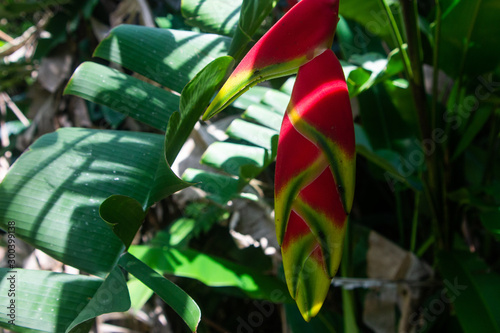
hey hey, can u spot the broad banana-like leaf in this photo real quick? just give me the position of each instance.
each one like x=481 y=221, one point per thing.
x=303 y=33
x=314 y=182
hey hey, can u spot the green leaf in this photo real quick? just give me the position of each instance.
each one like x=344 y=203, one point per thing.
x=471 y=45
x=287 y=87
x=211 y=270
x=46 y=301
x=374 y=68
x=235 y=159
x=476 y=124
x=252 y=133
x=216 y=16
x=112 y=117
x=194 y=99
x=169 y=57
x=124 y=215
x=471 y=284
x=491 y=221
x=385 y=124
x=252 y=96
x=112 y=296
x=223 y=188
x=277 y=100
x=54 y=190
x=139 y=293
x=372 y=17
x=174 y=296
x=356 y=79
x=264 y=116
x=251 y=17
x=123 y=93
x=387 y=160
x=177 y=234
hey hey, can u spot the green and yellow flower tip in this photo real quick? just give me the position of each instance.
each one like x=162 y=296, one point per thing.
x=303 y=33
x=314 y=180
x=303 y=262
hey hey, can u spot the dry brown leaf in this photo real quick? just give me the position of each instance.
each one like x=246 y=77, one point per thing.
x=388 y=261
x=55 y=70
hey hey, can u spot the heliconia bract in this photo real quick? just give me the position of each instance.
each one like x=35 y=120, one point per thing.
x=303 y=33
x=314 y=181
x=315 y=163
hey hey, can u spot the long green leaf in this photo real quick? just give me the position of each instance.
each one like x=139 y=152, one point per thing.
x=476 y=124
x=216 y=16
x=264 y=116
x=251 y=17
x=174 y=296
x=221 y=187
x=45 y=301
x=54 y=190
x=387 y=160
x=124 y=215
x=255 y=134
x=212 y=271
x=470 y=46
x=277 y=100
x=472 y=287
x=371 y=15
x=169 y=57
x=235 y=159
x=491 y=221
x=123 y=93
x=112 y=296
x=195 y=97
x=139 y=293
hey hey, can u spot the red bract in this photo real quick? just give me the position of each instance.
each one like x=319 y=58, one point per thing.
x=314 y=184
x=301 y=34
x=314 y=180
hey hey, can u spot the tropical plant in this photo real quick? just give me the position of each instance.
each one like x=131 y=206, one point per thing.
x=423 y=80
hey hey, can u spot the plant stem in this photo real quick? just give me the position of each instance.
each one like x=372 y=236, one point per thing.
x=399 y=215
x=414 y=226
x=460 y=95
x=348 y=305
x=432 y=179
x=399 y=40
x=421 y=251
x=435 y=65
x=417 y=78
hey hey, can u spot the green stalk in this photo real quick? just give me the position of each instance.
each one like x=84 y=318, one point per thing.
x=421 y=251
x=435 y=64
x=417 y=79
x=409 y=73
x=397 y=36
x=432 y=179
x=399 y=215
x=414 y=225
x=406 y=62
x=467 y=42
x=348 y=305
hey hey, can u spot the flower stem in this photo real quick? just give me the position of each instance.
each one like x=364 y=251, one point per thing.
x=431 y=179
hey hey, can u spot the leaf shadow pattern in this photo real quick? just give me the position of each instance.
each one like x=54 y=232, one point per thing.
x=85 y=168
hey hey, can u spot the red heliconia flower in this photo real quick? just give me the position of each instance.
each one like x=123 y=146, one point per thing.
x=314 y=182
x=303 y=33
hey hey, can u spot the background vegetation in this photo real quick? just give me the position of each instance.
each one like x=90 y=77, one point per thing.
x=423 y=239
